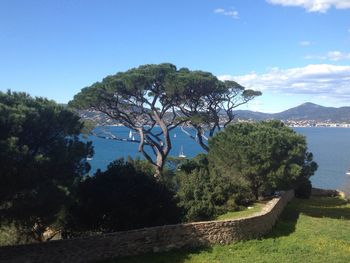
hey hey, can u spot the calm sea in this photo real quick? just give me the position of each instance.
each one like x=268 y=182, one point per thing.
x=330 y=146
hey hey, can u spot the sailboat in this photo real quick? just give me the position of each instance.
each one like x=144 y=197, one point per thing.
x=130 y=134
x=182 y=155
x=175 y=136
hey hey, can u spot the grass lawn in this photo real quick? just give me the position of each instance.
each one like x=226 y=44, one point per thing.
x=315 y=230
x=256 y=207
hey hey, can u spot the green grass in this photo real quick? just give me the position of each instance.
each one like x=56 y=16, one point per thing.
x=256 y=207
x=315 y=230
x=9 y=235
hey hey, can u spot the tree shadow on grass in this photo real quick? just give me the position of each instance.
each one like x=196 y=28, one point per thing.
x=176 y=256
x=328 y=207
x=287 y=221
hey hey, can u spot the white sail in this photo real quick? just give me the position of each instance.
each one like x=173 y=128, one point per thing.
x=182 y=155
x=130 y=135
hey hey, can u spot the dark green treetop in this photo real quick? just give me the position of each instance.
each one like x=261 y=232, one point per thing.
x=40 y=158
x=209 y=103
x=268 y=155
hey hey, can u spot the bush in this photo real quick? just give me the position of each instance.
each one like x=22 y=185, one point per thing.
x=195 y=195
x=203 y=193
x=121 y=198
x=303 y=189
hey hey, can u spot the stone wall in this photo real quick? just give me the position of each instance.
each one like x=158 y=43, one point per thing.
x=154 y=239
x=326 y=192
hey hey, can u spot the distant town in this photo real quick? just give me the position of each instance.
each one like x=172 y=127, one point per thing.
x=308 y=123
x=100 y=119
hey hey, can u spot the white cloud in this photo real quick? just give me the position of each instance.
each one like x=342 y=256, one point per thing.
x=305 y=43
x=320 y=6
x=219 y=10
x=231 y=12
x=318 y=80
x=331 y=55
x=337 y=55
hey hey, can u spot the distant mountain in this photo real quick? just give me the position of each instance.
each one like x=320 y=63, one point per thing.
x=255 y=115
x=306 y=111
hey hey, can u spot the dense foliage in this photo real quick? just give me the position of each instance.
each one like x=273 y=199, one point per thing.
x=121 y=198
x=244 y=162
x=267 y=155
x=203 y=193
x=40 y=158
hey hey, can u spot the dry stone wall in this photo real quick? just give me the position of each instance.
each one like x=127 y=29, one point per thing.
x=154 y=239
x=326 y=192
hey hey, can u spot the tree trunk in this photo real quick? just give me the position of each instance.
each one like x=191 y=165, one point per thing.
x=38 y=232
x=164 y=148
x=159 y=166
x=201 y=143
x=158 y=173
x=200 y=138
x=255 y=191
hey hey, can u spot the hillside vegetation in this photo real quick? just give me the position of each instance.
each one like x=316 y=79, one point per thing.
x=314 y=230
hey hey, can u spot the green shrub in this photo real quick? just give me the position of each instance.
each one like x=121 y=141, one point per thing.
x=303 y=189
x=203 y=193
x=121 y=198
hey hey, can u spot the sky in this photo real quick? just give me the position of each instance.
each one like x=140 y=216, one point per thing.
x=294 y=51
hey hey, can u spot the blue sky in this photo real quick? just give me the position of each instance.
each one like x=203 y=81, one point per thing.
x=293 y=51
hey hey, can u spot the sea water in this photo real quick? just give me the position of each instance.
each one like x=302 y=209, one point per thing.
x=331 y=150
x=330 y=147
